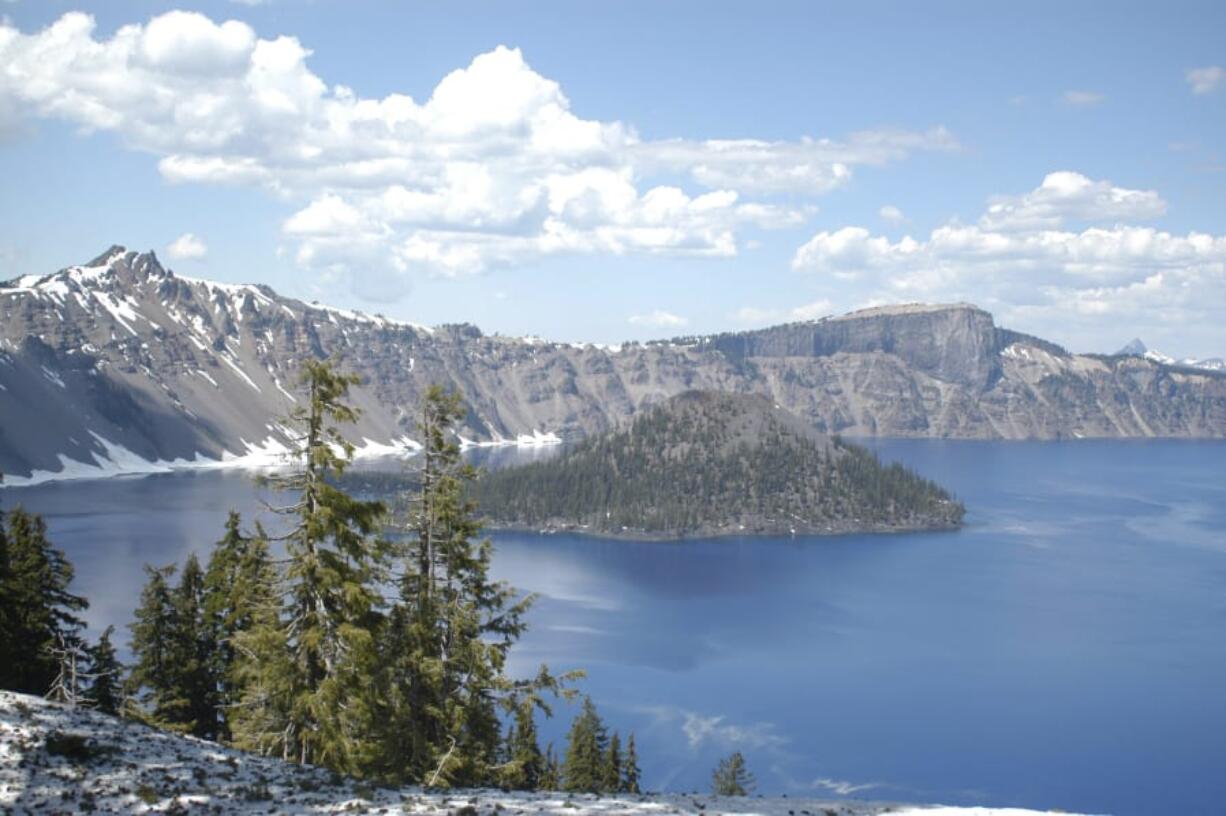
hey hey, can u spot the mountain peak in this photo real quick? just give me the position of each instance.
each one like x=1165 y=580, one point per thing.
x=1134 y=349
x=113 y=253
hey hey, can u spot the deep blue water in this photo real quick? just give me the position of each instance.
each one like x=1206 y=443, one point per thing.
x=1067 y=649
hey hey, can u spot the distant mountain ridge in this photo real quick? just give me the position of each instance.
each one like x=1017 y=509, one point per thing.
x=707 y=463
x=1136 y=348
x=120 y=365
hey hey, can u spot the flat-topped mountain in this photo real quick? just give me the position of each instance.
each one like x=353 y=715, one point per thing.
x=122 y=365
x=706 y=463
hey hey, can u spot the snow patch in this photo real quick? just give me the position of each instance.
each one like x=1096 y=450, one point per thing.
x=536 y=439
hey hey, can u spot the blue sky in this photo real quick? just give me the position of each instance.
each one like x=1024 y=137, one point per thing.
x=633 y=170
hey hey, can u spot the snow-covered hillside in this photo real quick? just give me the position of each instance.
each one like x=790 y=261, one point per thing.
x=54 y=759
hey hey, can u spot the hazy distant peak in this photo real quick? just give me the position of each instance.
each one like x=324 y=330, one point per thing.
x=1135 y=348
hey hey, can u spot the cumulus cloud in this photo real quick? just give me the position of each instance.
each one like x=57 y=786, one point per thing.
x=187 y=247
x=492 y=168
x=1081 y=99
x=1023 y=261
x=1066 y=196
x=1205 y=80
x=659 y=319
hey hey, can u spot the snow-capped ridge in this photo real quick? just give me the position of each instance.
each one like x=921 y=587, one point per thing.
x=1136 y=348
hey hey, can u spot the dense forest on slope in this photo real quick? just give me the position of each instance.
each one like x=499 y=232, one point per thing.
x=706 y=463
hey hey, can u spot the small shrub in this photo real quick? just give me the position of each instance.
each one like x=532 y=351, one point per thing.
x=148 y=795
x=75 y=747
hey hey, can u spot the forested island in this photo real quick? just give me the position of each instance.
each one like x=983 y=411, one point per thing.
x=706 y=463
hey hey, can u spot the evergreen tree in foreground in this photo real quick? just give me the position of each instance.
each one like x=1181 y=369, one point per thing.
x=194 y=654
x=105 y=673
x=525 y=765
x=307 y=674
x=732 y=777
x=37 y=611
x=630 y=768
x=551 y=778
x=240 y=585
x=444 y=648
x=172 y=679
x=613 y=765
x=584 y=770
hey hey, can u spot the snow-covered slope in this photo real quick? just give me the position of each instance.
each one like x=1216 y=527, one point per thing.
x=54 y=759
x=120 y=365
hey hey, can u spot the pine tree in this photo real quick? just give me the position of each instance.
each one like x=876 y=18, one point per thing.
x=613 y=765
x=524 y=764
x=193 y=654
x=38 y=609
x=630 y=768
x=551 y=777
x=239 y=594
x=8 y=624
x=105 y=674
x=306 y=690
x=154 y=680
x=587 y=744
x=732 y=777
x=445 y=646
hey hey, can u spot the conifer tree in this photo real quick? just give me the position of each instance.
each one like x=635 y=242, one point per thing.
x=587 y=744
x=193 y=654
x=239 y=594
x=105 y=674
x=630 y=768
x=306 y=675
x=524 y=765
x=613 y=765
x=732 y=777
x=38 y=609
x=8 y=654
x=154 y=682
x=551 y=777
x=445 y=645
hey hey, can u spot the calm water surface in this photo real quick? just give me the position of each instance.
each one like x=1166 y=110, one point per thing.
x=1067 y=649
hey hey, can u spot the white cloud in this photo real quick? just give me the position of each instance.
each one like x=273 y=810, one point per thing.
x=1067 y=196
x=187 y=247
x=892 y=215
x=752 y=316
x=1082 y=99
x=659 y=319
x=492 y=168
x=1205 y=80
x=1022 y=262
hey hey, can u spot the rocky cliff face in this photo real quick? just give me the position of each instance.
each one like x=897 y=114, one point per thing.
x=121 y=362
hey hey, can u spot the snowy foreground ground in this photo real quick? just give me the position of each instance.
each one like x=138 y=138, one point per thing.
x=59 y=760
